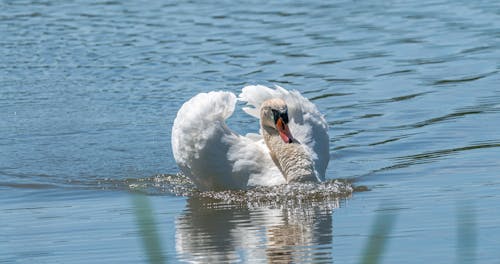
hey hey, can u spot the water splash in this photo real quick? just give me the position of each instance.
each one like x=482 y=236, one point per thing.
x=168 y=184
x=290 y=195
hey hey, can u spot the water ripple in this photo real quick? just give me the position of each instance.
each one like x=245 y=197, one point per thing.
x=464 y=79
x=431 y=156
x=326 y=95
x=435 y=120
x=400 y=98
x=398 y=72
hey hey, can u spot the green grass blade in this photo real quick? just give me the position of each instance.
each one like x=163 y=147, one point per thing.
x=147 y=228
x=376 y=243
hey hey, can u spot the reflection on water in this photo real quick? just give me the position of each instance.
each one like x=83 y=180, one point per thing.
x=217 y=232
x=287 y=223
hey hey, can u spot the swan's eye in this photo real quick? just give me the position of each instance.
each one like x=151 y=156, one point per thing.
x=277 y=114
x=284 y=116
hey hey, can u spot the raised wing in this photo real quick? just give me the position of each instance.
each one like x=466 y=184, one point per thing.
x=214 y=156
x=307 y=124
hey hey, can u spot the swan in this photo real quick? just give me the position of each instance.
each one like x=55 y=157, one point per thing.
x=292 y=144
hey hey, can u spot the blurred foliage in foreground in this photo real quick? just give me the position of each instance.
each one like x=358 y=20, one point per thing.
x=147 y=228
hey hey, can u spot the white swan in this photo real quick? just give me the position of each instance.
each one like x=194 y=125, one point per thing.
x=293 y=143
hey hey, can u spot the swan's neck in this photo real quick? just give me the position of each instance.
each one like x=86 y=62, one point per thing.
x=291 y=158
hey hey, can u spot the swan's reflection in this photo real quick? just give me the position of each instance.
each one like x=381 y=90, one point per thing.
x=221 y=233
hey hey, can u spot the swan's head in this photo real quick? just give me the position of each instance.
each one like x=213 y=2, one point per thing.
x=274 y=115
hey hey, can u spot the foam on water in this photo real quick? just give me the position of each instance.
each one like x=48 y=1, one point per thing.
x=295 y=194
x=291 y=195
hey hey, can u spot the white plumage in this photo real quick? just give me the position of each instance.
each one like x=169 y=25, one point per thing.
x=215 y=157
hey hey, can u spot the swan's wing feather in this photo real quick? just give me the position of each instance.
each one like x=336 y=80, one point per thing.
x=307 y=124
x=208 y=152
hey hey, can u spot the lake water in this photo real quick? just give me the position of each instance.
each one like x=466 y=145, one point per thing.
x=89 y=91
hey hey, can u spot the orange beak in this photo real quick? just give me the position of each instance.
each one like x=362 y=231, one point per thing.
x=284 y=131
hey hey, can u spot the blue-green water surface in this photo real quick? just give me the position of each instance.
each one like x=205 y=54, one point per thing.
x=89 y=91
